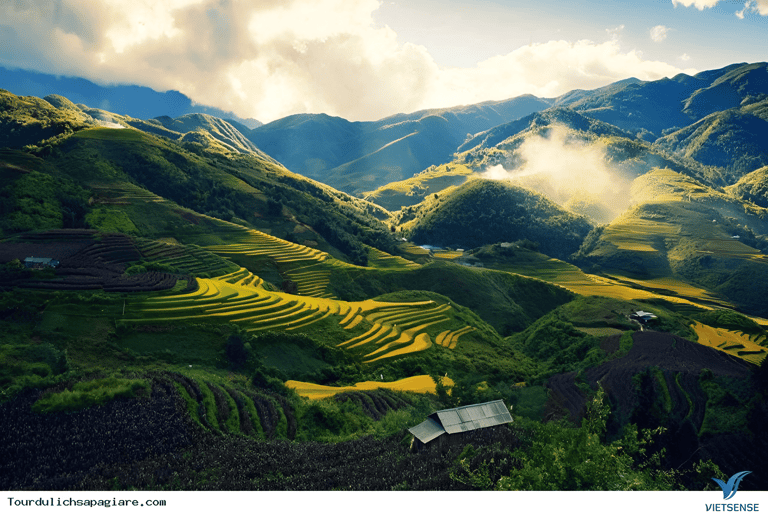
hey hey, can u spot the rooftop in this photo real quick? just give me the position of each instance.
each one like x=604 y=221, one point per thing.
x=462 y=419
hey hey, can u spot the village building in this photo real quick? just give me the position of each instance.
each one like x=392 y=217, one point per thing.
x=38 y=263
x=642 y=316
x=443 y=428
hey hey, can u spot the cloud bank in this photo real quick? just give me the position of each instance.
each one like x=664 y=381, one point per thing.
x=571 y=172
x=755 y=6
x=270 y=58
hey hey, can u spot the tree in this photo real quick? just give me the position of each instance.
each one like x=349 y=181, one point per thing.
x=237 y=353
x=560 y=457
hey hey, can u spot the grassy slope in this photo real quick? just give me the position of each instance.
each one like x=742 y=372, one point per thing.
x=690 y=240
x=730 y=139
x=752 y=187
x=506 y=302
x=482 y=212
x=231 y=187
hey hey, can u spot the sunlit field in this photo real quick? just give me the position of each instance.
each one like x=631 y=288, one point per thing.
x=734 y=343
x=391 y=328
x=416 y=384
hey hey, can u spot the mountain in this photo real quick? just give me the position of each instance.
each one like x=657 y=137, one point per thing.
x=485 y=212
x=226 y=184
x=563 y=116
x=752 y=187
x=652 y=109
x=733 y=139
x=358 y=156
x=130 y=100
x=685 y=230
x=553 y=152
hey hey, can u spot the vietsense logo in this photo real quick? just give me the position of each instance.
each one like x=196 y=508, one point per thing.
x=729 y=491
x=730 y=488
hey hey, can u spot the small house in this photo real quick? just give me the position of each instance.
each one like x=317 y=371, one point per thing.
x=445 y=427
x=38 y=263
x=642 y=316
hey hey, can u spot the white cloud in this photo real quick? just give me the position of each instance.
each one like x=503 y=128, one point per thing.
x=756 y=6
x=699 y=4
x=570 y=171
x=659 y=33
x=685 y=57
x=271 y=58
x=547 y=70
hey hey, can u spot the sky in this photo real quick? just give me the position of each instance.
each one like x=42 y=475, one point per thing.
x=367 y=59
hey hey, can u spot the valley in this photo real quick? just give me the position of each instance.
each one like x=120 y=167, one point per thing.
x=280 y=303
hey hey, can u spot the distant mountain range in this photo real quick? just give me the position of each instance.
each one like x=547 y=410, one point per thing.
x=130 y=100
x=690 y=116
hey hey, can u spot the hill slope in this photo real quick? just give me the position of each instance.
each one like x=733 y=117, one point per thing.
x=485 y=211
x=365 y=155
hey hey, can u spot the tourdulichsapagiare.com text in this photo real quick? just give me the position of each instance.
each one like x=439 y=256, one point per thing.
x=72 y=502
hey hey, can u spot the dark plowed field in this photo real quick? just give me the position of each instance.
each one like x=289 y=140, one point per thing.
x=657 y=382
x=58 y=450
x=665 y=351
x=88 y=261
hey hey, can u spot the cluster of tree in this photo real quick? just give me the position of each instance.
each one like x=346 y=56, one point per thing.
x=35 y=200
x=486 y=212
x=556 y=456
x=27 y=120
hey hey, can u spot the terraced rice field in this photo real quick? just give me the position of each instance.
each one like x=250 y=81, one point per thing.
x=417 y=384
x=449 y=339
x=240 y=297
x=620 y=287
x=380 y=259
x=124 y=193
x=412 y=250
x=189 y=259
x=256 y=243
x=312 y=280
x=447 y=255
x=397 y=329
x=638 y=234
x=669 y=286
x=734 y=343
x=298 y=263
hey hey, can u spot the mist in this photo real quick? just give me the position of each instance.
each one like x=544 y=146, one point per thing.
x=571 y=172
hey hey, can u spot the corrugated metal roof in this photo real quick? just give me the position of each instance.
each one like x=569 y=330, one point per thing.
x=427 y=430
x=462 y=419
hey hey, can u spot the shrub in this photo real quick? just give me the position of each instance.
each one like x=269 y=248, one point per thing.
x=90 y=393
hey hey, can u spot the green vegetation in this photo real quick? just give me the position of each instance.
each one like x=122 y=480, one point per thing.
x=29 y=120
x=728 y=319
x=687 y=241
x=727 y=410
x=561 y=457
x=485 y=212
x=90 y=393
x=23 y=365
x=33 y=200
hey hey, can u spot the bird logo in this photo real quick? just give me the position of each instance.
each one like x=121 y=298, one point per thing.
x=730 y=488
